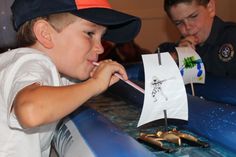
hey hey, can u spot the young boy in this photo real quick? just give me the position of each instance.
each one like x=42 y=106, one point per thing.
x=212 y=38
x=60 y=40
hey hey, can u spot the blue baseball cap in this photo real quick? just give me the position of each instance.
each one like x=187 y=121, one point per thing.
x=121 y=27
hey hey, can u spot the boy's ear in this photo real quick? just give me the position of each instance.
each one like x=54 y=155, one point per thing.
x=211 y=7
x=43 y=33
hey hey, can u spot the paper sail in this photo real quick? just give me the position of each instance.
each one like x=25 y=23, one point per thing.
x=190 y=65
x=164 y=90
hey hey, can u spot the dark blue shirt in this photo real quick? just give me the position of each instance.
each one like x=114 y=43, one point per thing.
x=218 y=51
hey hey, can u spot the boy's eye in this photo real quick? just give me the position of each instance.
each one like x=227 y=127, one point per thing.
x=90 y=33
x=193 y=16
x=178 y=23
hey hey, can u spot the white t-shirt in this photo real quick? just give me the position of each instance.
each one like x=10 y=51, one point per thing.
x=18 y=69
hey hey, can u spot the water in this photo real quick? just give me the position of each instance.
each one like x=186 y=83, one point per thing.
x=126 y=116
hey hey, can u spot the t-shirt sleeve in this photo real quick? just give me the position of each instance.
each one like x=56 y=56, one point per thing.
x=25 y=73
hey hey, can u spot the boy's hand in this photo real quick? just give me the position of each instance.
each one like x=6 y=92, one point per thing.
x=104 y=73
x=189 y=41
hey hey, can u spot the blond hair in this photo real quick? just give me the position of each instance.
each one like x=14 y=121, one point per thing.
x=25 y=35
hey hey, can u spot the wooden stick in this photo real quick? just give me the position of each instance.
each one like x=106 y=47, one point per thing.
x=165 y=112
x=166 y=122
x=159 y=55
x=192 y=87
x=151 y=140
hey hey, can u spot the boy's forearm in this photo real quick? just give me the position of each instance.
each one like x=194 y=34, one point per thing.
x=38 y=105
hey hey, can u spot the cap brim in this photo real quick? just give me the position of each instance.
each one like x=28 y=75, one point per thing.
x=121 y=27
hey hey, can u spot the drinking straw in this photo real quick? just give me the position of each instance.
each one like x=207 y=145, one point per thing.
x=126 y=81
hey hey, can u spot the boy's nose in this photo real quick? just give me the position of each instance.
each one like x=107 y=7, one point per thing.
x=190 y=26
x=187 y=25
x=99 y=48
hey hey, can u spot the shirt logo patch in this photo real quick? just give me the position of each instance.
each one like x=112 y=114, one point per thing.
x=226 y=52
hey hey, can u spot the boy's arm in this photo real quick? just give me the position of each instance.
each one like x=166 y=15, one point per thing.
x=37 y=105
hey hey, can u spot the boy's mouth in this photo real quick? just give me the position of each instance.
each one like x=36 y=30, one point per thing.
x=92 y=61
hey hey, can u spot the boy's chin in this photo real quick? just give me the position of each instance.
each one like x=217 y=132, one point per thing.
x=84 y=77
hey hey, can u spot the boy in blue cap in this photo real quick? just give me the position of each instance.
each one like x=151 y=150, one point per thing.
x=60 y=40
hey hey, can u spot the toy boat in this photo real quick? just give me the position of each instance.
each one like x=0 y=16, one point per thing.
x=213 y=117
x=88 y=133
